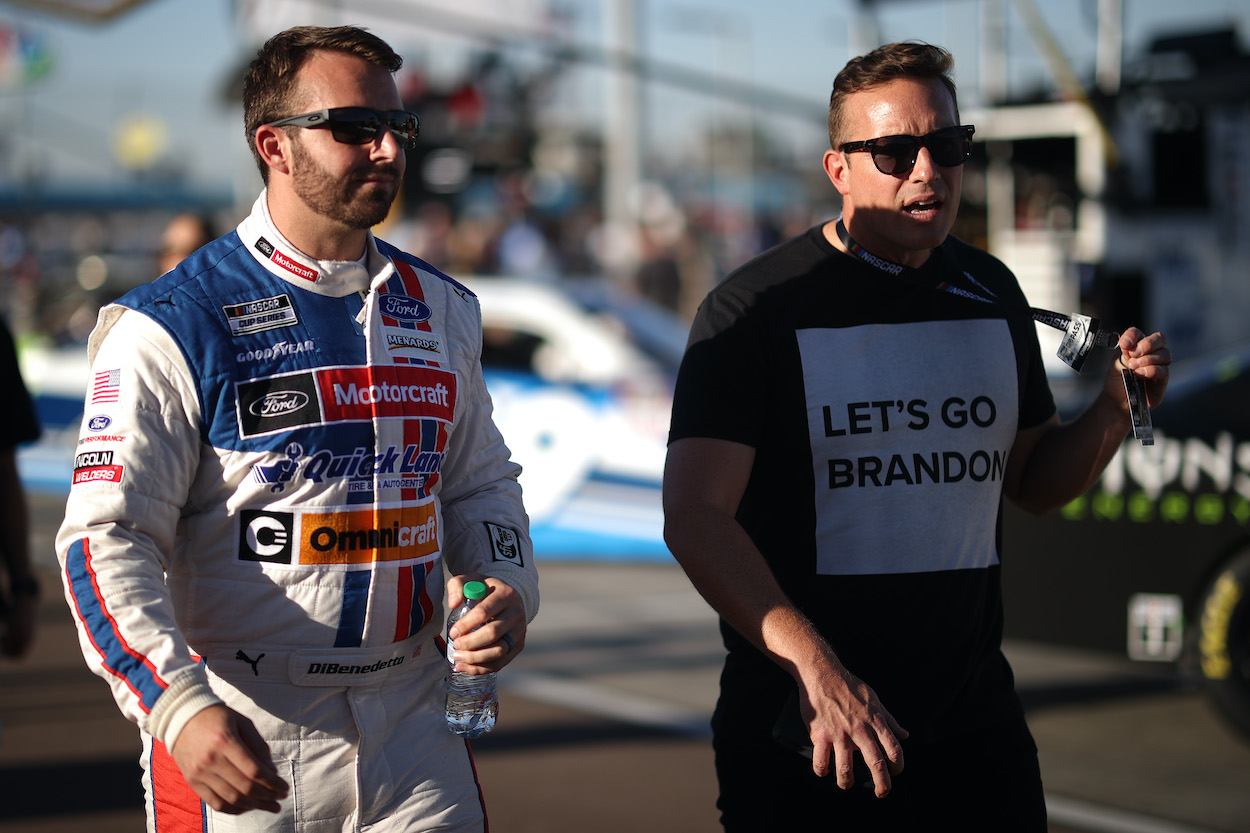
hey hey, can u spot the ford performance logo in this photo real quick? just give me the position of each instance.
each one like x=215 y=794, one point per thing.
x=278 y=403
x=99 y=423
x=403 y=307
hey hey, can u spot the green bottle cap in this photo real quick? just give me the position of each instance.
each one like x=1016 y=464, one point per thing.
x=474 y=590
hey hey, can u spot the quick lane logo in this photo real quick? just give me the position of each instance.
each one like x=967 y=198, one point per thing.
x=340 y=536
x=93 y=466
x=260 y=315
x=401 y=468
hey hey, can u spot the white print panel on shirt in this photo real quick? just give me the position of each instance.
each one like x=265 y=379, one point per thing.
x=910 y=427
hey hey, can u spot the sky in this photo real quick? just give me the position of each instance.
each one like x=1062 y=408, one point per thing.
x=165 y=66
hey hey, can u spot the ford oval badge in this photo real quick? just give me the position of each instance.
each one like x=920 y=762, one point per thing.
x=278 y=403
x=403 y=307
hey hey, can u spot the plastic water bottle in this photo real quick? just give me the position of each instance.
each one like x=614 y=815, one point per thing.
x=472 y=702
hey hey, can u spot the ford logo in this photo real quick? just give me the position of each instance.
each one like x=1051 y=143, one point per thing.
x=404 y=308
x=99 y=423
x=278 y=403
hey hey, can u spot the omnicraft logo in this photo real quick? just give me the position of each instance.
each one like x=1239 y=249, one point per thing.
x=340 y=537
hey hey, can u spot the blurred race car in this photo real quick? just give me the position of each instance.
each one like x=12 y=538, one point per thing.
x=582 y=381
x=581 y=376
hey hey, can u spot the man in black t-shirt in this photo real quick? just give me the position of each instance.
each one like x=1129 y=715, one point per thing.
x=19 y=593
x=852 y=407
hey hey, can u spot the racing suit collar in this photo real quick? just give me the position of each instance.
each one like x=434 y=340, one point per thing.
x=334 y=278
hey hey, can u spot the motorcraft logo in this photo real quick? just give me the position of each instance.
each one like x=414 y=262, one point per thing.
x=260 y=315
x=295 y=268
x=96 y=466
x=344 y=394
x=404 y=307
x=342 y=537
x=388 y=391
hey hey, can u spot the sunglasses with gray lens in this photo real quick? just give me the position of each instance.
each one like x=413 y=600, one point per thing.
x=896 y=155
x=358 y=125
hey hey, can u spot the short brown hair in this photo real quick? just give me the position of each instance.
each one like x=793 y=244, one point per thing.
x=269 y=85
x=891 y=62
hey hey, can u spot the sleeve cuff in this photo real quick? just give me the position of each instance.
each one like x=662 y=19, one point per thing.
x=187 y=696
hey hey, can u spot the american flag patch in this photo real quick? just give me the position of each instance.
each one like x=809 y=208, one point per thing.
x=106 y=386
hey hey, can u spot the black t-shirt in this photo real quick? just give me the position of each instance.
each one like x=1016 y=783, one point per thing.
x=882 y=411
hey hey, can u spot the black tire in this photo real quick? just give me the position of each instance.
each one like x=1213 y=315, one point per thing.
x=1224 y=640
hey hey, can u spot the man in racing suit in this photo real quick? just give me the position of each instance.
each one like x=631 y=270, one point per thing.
x=287 y=440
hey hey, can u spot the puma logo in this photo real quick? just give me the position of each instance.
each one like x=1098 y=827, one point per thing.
x=250 y=661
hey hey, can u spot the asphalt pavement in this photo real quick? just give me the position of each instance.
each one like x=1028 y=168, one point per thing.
x=603 y=723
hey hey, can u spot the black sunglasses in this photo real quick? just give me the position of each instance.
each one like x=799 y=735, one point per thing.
x=896 y=155
x=359 y=125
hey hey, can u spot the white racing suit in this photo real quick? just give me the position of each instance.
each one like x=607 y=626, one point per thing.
x=277 y=459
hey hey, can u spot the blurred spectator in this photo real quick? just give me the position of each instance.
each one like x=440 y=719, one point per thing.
x=19 y=596
x=183 y=235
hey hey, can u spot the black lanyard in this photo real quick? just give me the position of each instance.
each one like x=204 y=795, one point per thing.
x=1082 y=333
